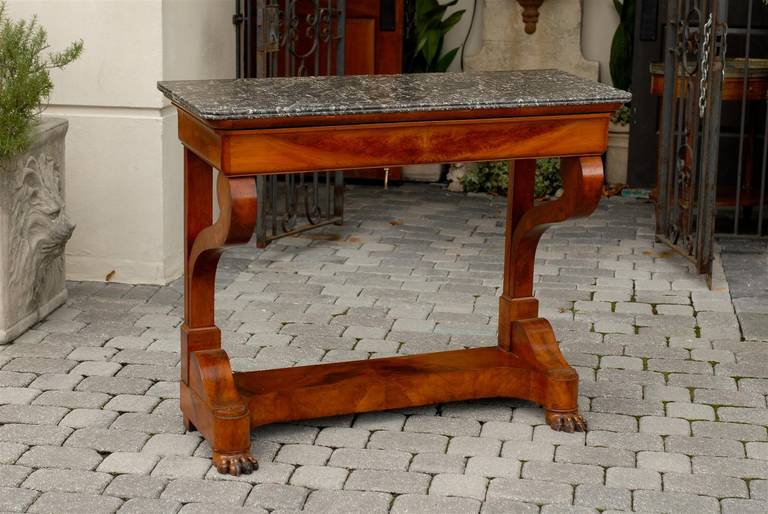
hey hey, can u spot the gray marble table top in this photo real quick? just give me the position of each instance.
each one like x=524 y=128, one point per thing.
x=243 y=99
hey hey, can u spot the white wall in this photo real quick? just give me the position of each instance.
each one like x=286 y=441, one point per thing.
x=598 y=25
x=124 y=175
x=599 y=22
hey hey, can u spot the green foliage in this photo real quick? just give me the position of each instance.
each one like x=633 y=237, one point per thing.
x=547 y=177
x=425 y=36
x=624 y=115
x=493 y=177
x=488 y=177
x=25 y=81
x=622 y=45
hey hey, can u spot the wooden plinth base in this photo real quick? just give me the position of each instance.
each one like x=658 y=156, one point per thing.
x=224 y=406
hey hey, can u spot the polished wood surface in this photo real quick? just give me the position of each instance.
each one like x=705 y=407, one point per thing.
x=526 y=363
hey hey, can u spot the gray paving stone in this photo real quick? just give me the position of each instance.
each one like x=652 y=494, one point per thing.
x=10 y=452
x=737 y=431
x=400 y=482
x=12 y=476
x=657 y=501
x=114 y=385
x=176 y=466
x=171 y=444
x=104 y=440
x=96 y=368
x=319 y=477
x=472 y=486
x=67 y=481
x=123 y=462
x=56 y=381
x=704 y=446
x=342 y=437
x=559 y=472
x=13 y=499
x=39 y=365
x=148 y=505
x=135 y=486
x=534 y=491
x=660 y=461
x=507 y=431
x=408 y=442
x=32 y=414
x=442 y=425
x=370 y=459
x=56 y=457
x=505 y=506
x=228 y=493
x=492 y=467
x=417 y=504
x=607 y=457
x=75 y=503
x=437 y=463
x=34 y=434
x=474 y=446
x=82 y=418
x=735 y=506
x=150 y=423
x=347 y=502
x=18 y=395
x=303 y=454
x=602 y=497
x=531 y=451
x=707 y=485
x=277 y=497
x=758 y=489
x=728 y=466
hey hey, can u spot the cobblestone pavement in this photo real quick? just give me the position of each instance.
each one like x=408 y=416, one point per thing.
x=675 y=400
x=742 y=257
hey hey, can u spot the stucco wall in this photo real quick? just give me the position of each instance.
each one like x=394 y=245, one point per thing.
x=124 y=176
x=599 y=21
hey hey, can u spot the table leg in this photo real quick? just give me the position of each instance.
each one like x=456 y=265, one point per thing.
x=521 y=330
x=210 y=401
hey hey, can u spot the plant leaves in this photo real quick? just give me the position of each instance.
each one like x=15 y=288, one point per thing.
x=446 y=60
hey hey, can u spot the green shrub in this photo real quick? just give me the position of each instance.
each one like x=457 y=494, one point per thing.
x=493 y=177
x=623 y=115
x=488 y=177
x=547 y=177
x=25 y=81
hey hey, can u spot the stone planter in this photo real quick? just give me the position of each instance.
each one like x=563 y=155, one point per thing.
x=33 y=231
x=617 y=154
x=422 y=172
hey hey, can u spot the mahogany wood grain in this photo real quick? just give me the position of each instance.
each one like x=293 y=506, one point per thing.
x=394 y=144
x=527 y=362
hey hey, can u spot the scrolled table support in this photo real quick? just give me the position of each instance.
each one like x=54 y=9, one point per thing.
x=210 y=400
x=521 y=330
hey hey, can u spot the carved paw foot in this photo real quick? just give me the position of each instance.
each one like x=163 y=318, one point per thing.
x=566 y=421
x=235 y=463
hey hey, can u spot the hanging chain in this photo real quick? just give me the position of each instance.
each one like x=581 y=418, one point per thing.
x=704 y=67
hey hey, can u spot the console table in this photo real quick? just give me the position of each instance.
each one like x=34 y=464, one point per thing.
x=244 y=128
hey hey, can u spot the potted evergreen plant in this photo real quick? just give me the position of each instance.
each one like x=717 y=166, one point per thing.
x=425 y=33
x=33 y=226
x=616 y=157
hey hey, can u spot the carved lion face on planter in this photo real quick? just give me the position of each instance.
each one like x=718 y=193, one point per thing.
x=39 y=229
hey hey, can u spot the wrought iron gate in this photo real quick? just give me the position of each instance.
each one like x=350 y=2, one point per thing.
x=695 y=48
x=286 y=38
